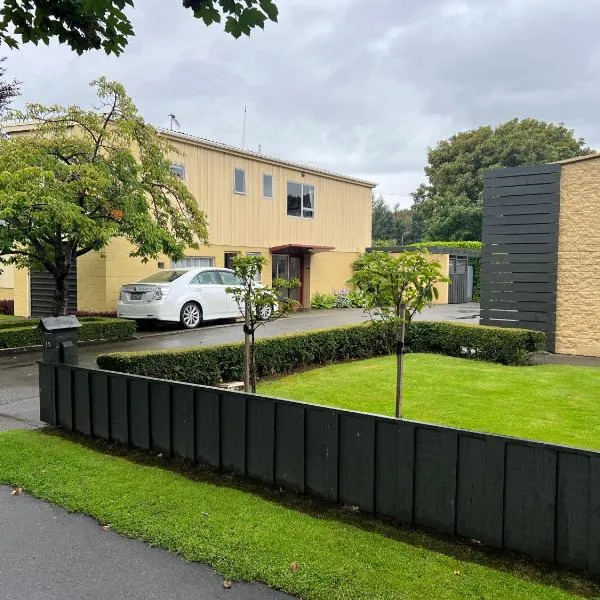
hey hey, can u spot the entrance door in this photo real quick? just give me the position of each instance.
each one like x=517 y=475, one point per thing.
x=288 y=267
x=458 y=292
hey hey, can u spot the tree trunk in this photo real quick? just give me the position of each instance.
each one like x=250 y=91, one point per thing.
x=400 y=362
x=253 y=377
x=60 y=299
x=247 y=350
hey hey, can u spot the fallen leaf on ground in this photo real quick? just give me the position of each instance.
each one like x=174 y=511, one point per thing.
x=457 y=572
x=16 y=491
x=294 y=567
x=106 y=527
x=227 y=584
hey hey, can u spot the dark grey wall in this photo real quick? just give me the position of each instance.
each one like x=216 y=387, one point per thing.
x=41 y=284
x=536 y=498
x=520 y=242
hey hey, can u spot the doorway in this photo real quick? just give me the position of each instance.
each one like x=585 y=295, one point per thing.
x=287 y=266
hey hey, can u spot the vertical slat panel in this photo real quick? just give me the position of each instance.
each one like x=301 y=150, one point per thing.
x=594 y=517
x=139 y=414
x=394 y=470
x=119 y=426
x=182 y=413
x=289 y=446
x=530 y=500
x=435 y=478
x=81 y=402
x=46 y=383
x=260 y=439
x=322 y=452
x=207 y=428
x=100 y=406
x=357 y=461
x=160 y=417
x=233 y=433
x=64 y=398
x=572 y=509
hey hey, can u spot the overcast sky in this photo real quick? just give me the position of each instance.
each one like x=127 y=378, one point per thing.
x=356 y=86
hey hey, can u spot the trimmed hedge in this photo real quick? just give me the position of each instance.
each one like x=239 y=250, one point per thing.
x=462 y=245
x=280 y=355
x=94 y=328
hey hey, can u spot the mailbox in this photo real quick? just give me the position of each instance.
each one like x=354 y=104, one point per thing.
x=59 y=339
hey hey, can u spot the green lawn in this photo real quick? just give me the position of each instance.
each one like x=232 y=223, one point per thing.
x=250 y=533
x=552 y=403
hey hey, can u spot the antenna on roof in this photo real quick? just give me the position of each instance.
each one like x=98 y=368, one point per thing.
x=244 y=128
x=174 y=120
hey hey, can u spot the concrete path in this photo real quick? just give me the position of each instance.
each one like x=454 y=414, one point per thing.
x=47 y=553
x=18 y=374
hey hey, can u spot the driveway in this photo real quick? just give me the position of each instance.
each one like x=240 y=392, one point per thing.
x=19 y=406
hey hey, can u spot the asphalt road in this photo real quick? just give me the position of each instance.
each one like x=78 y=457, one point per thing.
x=47 y=553
x=19 y=406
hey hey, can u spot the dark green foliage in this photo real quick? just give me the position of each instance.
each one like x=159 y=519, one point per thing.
x=494 y=344
x=476 y=262
x=280 y=355
x=92 y=328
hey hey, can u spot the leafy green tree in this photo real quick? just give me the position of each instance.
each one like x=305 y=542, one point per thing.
x=94 y=24
x=395 y=288
x=382 y=225
x=80 y=178
x=449 y=206
x=258 y=304
x=8 y=89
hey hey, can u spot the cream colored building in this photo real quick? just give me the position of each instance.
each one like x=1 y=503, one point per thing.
x=307 y=222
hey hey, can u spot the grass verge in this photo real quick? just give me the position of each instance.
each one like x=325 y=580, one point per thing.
x=551 y=403
x=248 y=532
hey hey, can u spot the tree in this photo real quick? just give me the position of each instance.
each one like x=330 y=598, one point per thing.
x=383 y=226
x=449 y=205
x=8 y=89
x=395 y=289
x=258 y=305
x=80 y=178
x=94 y=24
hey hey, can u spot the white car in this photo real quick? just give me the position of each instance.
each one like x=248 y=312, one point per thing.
x=186 y=296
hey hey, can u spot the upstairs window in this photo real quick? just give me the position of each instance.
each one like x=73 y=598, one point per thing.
x=268 y=187
x=300 y=200
x=239 y=181
x=178 y=170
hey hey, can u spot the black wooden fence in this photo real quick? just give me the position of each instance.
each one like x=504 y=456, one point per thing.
x=540 y=499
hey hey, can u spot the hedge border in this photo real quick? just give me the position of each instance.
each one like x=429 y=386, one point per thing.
x=92 y=329
x=212 y=365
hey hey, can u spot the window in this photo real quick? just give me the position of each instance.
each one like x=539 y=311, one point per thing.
x=229 y=256
x=207 y=278
x=163 y=277
x=300 y=200
x=239 y=181
x=229 y=278
x=268 y=186
x=258 y=277
x=193 y=262
x=178 y=170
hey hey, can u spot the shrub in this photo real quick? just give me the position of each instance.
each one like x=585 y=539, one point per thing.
x=358 y=299
x=279 y=355
x=462 y=245
x=7 y=307
x=342 y=299
x=322 y=301
x=94 y=328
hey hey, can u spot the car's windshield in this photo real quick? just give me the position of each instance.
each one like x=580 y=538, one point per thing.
x=163 y=276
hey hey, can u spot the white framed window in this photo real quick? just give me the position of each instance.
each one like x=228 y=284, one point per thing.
x=178 y=170
x=300 y=200
x=239 y=181
x=193 y=262
x=258 y=277
x=267 y=186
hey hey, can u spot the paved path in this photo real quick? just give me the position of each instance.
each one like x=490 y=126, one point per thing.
x=47 y=553
x=18 y=374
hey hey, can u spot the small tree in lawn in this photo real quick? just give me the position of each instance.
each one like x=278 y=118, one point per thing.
x=258 y=305
x=395 y=288
x=80 y=178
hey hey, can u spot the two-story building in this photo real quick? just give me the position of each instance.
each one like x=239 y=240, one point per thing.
x=307 y=222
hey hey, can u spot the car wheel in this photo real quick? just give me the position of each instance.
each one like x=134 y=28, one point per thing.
x=266 y=312
x=190 y=316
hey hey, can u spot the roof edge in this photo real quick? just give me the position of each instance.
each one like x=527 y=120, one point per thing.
x=567 y=161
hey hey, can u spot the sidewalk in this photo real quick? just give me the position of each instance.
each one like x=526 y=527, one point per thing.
x=47 y=553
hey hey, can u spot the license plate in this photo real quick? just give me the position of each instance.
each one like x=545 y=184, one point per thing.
x=135 y=295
